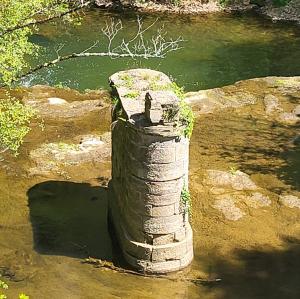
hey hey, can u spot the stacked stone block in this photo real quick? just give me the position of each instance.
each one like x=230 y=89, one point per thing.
x=149 y=171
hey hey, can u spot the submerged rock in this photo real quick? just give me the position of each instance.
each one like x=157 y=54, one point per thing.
x=54 y=157
x=290 y=201
x=297 y=111
x=256 y=200
x=61 y=104
x=288 y=118
x=288 y=12
x=272 y=104
x=57 y=101
x=227 y=206
x=226 y=179
x=208 y=101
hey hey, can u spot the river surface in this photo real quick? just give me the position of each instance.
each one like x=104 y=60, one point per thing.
x=54 y=213
x=218 y=50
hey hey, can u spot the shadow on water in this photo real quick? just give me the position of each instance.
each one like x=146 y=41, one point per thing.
x=260 y=273
x=70 y=219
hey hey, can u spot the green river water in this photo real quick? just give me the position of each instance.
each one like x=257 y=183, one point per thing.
x=218 y=50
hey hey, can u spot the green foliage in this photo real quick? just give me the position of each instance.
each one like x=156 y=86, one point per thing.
x=127 y=80
x=225 y=2
x=60 y=85
x=14 y=123
x=14 y=33
x=185 y=200
x=233 y=170
x=176 y=2
x=186 y=115
x=114 y=101
x=132 y=94
x=281 y=2
x=4 y=286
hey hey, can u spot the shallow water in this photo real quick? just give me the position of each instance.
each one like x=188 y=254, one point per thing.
x=218 y=50
x=49 y=223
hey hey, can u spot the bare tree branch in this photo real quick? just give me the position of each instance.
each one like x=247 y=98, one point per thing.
x=158 y=46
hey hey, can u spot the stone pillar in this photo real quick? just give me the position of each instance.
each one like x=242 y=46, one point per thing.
x=149 y=173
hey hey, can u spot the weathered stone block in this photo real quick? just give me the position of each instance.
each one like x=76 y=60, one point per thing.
x=161 y=200
x=161 y=106
x=156 y=172
x=163 y=267
x=136 y=249
x=182 y=149
x=187 y=259
x=163 y=225
x=180 y=235
x=151 y=267
x=155 y=153
x=177 y=206
x=154 y=188
x=169 y=251
x=141 y=138
x=162 y=239
x=163 y=211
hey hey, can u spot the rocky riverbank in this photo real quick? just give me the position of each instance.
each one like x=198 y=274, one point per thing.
x=288 y=12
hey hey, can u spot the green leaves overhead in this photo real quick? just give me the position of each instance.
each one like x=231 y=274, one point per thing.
x=14 y=123
x=18 y=21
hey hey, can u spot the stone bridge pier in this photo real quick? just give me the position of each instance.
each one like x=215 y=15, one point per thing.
x=150 y=157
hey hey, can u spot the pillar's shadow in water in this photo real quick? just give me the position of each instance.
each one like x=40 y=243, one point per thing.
x=70 y=219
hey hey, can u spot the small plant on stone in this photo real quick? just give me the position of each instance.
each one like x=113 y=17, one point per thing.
x=224 y=2
x=176 y=2
x=114 y=101
x=127 y=80
x=233 y=170
x=185 y=201
x=132 y=94
x=186 y=115
x=60 y=85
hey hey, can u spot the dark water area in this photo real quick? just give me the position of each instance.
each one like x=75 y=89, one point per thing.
x=218 y=50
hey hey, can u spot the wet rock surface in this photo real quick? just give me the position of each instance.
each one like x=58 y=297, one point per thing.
x=288 y=12
x=274 y=93
x=54 y=157
x=233 y=193
x=236 y=180
x=290 y=201
x=64 y=104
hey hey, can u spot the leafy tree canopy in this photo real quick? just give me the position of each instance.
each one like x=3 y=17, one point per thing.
x=18 y=20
